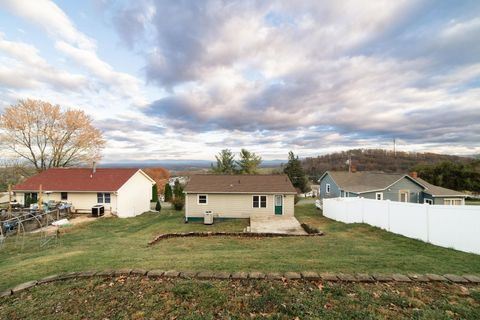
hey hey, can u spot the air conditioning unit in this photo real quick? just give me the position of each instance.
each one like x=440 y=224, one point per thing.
x=208 y=217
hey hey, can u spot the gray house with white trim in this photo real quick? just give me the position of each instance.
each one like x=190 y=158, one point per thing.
x=386 y=186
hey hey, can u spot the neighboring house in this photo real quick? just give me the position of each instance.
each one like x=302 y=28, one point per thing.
x=123 y=192
x=386 y=186
x=238 y=196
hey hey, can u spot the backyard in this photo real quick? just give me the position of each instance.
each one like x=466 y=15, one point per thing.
x=112 y=243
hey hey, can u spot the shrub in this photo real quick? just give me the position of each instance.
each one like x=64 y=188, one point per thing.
x=154 y=193
x=168 y=193
x=178 y=203
x=158 y=207
x=296 y=199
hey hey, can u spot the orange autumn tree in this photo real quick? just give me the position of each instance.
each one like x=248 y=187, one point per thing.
x=46 y=136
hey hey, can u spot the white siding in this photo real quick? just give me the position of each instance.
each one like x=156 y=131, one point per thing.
x=134 y=196
x=81 y=201
x=234 y=205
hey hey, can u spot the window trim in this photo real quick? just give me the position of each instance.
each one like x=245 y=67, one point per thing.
x=452 y=200
x=101 y=196
x=328 y=188
x=259 y=201
x=407 y=195
x=378 y=194
x=201 y=203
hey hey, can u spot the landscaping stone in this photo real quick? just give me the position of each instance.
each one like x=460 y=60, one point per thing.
x=400 y=278
x=155 y=273
x=205 y=275
x=122 y=272
x=328 y=276
x=256 y=275
x=6 y=293
x=240 y=275
x=363 y=277
x=346 y=277
x=382 y=277
x=472 y=278
x=418 y=277
x=456 y=278
x=292 y=275
x=106 y=273
x=274 y=276
x=69 y=275
x=221 y=275
x=435 y=277
x=49 y=279
x=309 y=275
x=171 y=274
x=139 y=272
x=24 y=286
x=86 y=274
x=188 y=274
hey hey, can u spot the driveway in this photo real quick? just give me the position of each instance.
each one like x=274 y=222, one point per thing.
x=275 y=224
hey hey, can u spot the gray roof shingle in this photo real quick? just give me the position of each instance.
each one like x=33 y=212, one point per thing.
x=363 y=181
x=239 y=184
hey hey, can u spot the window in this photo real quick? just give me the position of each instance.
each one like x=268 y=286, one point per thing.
x=452 y=202
x=64 y=196
x=379 y=195
x=259 y=201
x=428 y=201
x=202 y=199
x=103 y=197
x=327 y=187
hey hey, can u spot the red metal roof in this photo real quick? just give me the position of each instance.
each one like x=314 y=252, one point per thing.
x=77 y=179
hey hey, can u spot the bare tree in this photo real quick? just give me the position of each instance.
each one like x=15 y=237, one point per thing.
x=46 y=136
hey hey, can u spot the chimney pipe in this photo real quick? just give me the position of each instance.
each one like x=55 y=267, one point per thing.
x=94 y=167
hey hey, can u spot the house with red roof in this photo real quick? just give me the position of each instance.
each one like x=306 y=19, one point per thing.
x=124 y=192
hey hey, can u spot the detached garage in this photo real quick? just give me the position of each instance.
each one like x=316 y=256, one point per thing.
x=123 y=192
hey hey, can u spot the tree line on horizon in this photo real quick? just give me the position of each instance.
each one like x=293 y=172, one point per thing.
x=249 y=162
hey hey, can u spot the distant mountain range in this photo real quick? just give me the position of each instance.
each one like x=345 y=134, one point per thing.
x=179 y=165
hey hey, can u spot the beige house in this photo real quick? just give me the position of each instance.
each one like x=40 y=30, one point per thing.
x=123 y=192
x=238 y=196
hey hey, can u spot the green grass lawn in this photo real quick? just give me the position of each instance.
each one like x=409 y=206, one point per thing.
x=141 y=298
x=111 y=243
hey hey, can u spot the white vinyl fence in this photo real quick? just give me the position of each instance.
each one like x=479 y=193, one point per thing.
x=456 y=227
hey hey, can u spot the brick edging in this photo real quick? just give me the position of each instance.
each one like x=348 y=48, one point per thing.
x=254 y=275
x=164 y=236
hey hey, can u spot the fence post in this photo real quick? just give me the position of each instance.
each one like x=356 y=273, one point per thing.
x=363 y=210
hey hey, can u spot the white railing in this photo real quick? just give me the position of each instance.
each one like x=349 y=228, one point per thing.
x=456 y=227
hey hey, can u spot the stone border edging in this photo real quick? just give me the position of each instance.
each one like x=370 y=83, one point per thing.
x=164 y=236
x=254 y=275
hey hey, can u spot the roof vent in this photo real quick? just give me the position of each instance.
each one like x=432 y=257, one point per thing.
x=238 y=181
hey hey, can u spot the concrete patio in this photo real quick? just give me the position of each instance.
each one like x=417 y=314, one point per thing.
x=276 y=224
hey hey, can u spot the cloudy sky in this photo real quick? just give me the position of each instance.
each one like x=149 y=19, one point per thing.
x=184 y=79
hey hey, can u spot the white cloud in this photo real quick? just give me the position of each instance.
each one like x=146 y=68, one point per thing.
x=22 y=67
x=78 y=47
